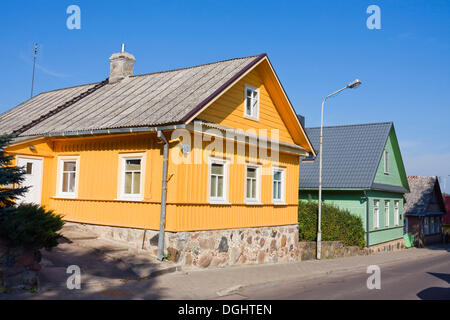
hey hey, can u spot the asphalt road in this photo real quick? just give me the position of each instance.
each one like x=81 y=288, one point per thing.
x=427 y=278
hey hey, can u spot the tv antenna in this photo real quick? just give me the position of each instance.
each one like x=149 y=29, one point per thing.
x=34 y=65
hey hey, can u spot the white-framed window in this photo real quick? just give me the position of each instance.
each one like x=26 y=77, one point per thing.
x=432 y=225
x=252 y=184
x=131 y=176
x=251 y=108
x=386 y=161
x=68 y=175
x=218 y=181
x=387 y=204
x=396 y=212
x=426 y=228
x=279 y=185
x=376 y=214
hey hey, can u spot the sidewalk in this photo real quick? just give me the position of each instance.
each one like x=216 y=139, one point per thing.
x=222 y=283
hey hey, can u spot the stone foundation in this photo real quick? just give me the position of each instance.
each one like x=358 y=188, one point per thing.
x=330 y=249
x=216 y=248
x=19 y=267
x=393 y=245
x=335 y=249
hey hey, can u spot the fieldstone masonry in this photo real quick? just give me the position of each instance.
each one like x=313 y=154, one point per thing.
x=19 y=267
x=335 y=249
x=218 y=248
x=214 y=248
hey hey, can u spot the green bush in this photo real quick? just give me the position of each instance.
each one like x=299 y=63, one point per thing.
x=337 y=224
x=30 y=225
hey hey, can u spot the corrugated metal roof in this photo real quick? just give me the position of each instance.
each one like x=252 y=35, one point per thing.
x=143 y=100
x=351 y=156
x=420 y=195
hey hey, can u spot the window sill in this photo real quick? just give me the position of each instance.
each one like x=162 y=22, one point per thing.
x=129 y=199
x=251 y=118
x=280 y=204
x=219 y=202
x=253 y=203
x=65 y=196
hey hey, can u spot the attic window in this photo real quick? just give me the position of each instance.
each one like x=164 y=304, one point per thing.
x=251 y=103
x=386 y=162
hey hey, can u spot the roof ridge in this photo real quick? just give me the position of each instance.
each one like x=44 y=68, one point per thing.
x=149 y=73
x=71 y=87
x=59 y=108
x=194 y=66
x=354 y=125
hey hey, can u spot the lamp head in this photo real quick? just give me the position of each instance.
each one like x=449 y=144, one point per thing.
x=354 y=84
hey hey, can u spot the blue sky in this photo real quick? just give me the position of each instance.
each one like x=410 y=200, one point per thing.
x=315 y=47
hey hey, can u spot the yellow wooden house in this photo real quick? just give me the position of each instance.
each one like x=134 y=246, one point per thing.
x=166 y=161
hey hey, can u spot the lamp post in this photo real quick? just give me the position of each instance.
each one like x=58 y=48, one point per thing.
x=353 y=85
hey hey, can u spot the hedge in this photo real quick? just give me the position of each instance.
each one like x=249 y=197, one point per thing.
x=337 y=224
x=30 y=225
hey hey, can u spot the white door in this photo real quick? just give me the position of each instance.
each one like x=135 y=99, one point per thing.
x=33 y=179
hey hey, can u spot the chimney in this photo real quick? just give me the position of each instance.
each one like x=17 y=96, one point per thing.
x=121 y=65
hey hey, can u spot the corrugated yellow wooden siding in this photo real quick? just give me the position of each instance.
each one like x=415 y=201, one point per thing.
x=187 y=198
x=228 y=110
x=215 y=217
x=189 y=208
x=140 y=215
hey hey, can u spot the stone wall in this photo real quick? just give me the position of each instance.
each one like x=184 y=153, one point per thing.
x=235 y=246
x=214 y=248
x=335 y=249
x=19 y=267
x=330 y=249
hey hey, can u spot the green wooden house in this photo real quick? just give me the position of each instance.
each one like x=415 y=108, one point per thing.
x=363 y=172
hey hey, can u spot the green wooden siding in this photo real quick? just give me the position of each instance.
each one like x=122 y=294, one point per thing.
x=355 y=203
x=396 y=175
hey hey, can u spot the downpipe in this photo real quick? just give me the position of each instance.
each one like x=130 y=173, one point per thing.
x=162 y=220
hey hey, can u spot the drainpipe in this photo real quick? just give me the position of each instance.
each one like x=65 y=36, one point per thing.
x=367 y=218
x=162 y=220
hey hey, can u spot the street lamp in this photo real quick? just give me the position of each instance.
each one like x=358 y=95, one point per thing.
x=352 y=85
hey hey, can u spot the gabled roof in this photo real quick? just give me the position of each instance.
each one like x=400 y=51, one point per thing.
x=418 y=200
x=352 y=154
x=141 y=101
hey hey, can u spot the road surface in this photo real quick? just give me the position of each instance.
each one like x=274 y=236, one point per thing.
x=426 y=278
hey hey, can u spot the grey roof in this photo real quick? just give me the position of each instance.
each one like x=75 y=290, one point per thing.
x=351 y=157
x=143 y=100
x=37 y=106
x=417 y=201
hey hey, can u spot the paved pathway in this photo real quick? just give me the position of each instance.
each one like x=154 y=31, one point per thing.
x=111 y=271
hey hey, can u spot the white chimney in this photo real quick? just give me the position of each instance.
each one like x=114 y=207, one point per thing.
x=121 y=65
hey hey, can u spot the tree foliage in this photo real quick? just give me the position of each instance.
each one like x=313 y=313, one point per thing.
x=10 y=176
x=32 y=226
x=27 y=225
x=337 y=224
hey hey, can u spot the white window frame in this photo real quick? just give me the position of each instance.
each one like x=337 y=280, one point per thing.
x=121 y=195
x=387 y=212
x=376 y=214
x=257 y=200
x=432 y=225
x=386 y=161
x=396 y=212
x=281 y=201
x=61 y=159
x=224 y=199
x=254 y=116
